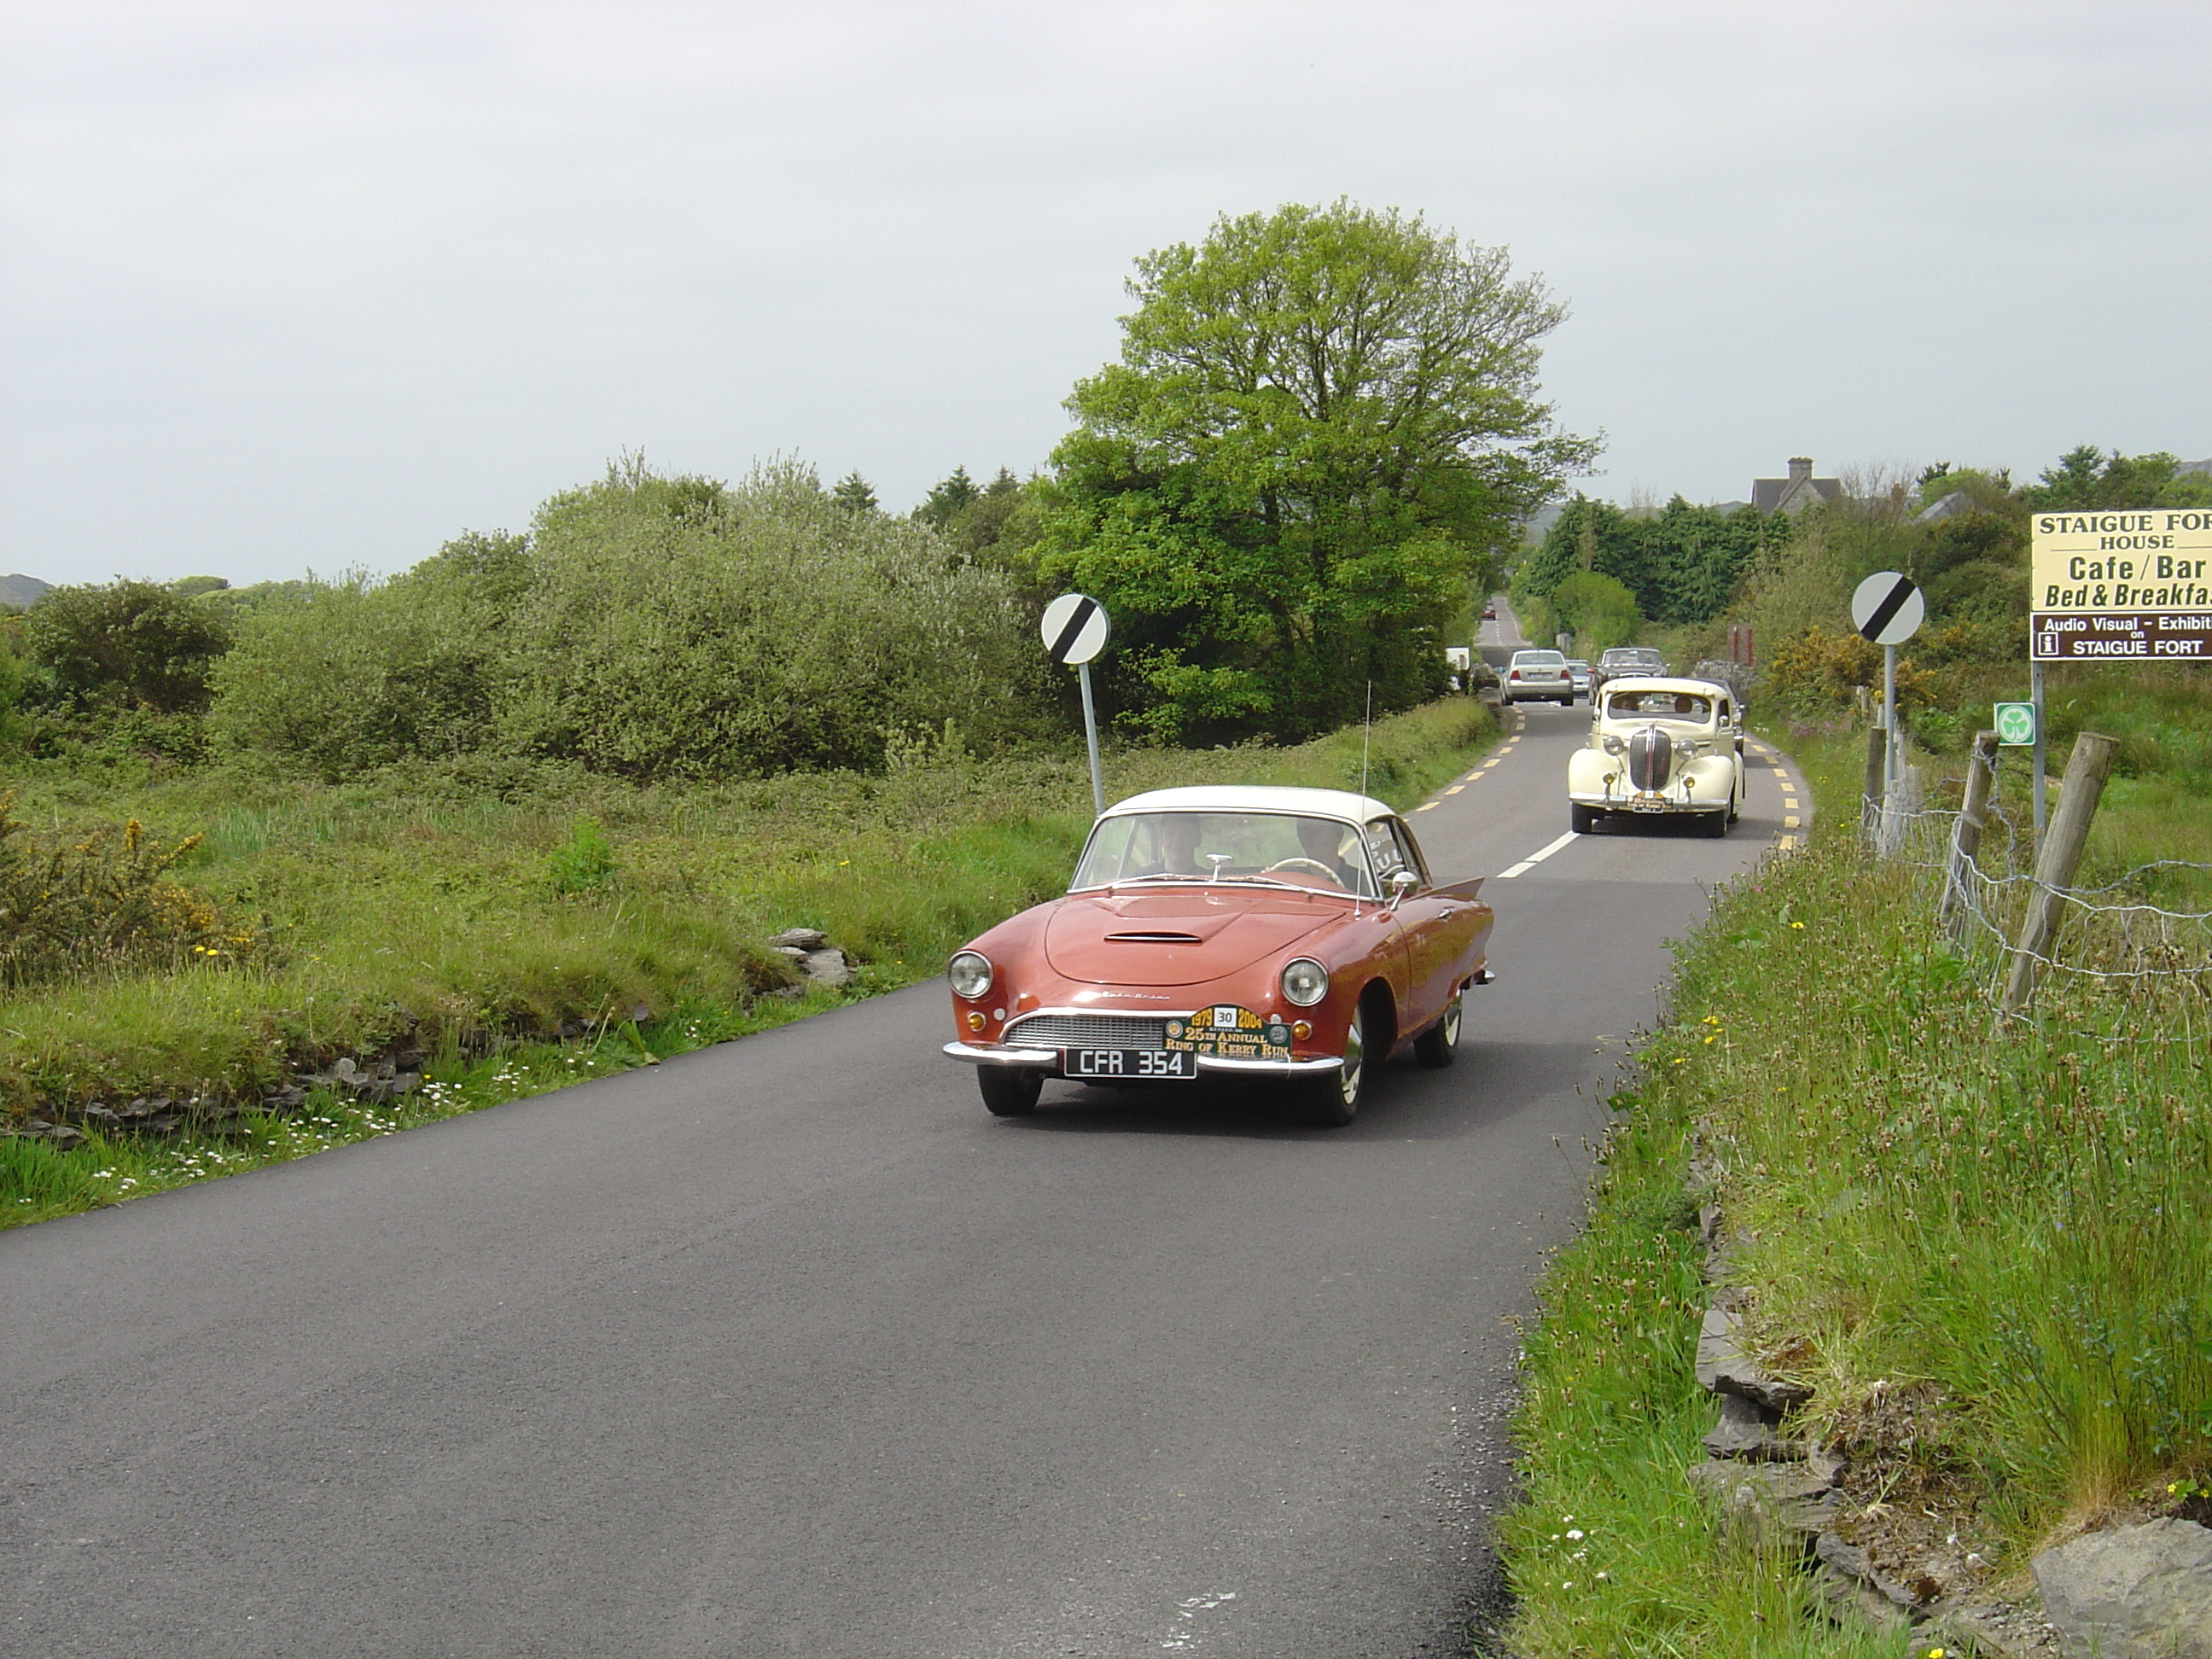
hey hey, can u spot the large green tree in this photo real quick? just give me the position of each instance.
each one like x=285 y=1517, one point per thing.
x=1325 y=423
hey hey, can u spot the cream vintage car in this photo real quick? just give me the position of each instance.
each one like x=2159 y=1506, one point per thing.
x=1659 y=747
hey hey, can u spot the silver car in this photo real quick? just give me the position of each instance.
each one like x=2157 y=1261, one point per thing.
x=1540 y=677
x=1579 y=672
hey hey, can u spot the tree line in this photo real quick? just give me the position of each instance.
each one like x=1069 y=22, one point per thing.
x=1323 y=430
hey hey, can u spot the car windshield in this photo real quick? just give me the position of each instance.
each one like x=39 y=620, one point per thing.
x=1658 y=705
x=1538 y=659
x=1272 y=848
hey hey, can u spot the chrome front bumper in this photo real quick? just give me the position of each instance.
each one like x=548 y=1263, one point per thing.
x=1048 y=1060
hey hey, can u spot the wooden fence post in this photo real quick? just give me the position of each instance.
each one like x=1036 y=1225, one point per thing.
x=1870 y=785
x=1966 y=833
x=2085 y=771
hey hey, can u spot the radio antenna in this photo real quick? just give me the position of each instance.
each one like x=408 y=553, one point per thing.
x=1367 y=731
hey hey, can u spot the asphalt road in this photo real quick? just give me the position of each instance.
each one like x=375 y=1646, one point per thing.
x=787 y=1347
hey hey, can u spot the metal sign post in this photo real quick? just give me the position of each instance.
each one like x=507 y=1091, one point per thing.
x=1887 y=609
x=2036 y=756
x=1075 y=629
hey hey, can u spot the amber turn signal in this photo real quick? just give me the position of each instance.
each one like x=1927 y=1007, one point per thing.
x=975 y=1022
x=1301 y=1030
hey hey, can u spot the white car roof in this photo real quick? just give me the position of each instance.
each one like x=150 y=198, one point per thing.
x=1255 y=798
x=1656 y=683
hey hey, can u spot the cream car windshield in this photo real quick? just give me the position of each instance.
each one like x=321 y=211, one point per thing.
x=1268 y=848
x=1659 y=705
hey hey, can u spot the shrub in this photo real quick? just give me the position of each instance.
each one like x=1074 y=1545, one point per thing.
x=649 y=627
x=104 y=903
x=1815 y=672
x=131 y=644
x=1598 y=611
x=348 y=675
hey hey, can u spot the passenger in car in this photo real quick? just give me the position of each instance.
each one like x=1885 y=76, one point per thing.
x=1179 y=834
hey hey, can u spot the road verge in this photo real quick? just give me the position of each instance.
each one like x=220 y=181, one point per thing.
x=1970 y=1252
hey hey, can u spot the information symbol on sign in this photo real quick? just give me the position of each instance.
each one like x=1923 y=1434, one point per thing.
x=1887 y=609
x=2015 y=724
x=1075 y=626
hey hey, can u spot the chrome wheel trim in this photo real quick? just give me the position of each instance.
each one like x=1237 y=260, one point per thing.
x=1347 y=1080
x=1453 y=1015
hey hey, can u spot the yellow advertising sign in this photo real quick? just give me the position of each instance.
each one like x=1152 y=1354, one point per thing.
x=2119 y=586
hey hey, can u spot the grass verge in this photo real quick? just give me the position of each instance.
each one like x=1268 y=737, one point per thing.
x=472 y=919
x=1981 y=1250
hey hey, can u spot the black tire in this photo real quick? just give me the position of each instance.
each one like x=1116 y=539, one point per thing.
x=1717 y=824
x=1582 y=819
x=1008 y=1092
x=1332 y=1102
x=1436 y=1046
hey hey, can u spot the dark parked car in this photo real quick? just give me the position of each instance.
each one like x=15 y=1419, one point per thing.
x=1623 y=660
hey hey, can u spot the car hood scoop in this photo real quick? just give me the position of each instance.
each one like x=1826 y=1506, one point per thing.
x=1177 y=939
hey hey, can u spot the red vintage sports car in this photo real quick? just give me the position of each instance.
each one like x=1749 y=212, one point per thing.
x=1292 y=935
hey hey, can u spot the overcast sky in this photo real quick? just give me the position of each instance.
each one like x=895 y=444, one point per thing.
x=318 y=284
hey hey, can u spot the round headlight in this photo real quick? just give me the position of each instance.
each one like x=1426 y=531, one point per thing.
x=1305 y=982
x=1613 y=746
x=970 y=974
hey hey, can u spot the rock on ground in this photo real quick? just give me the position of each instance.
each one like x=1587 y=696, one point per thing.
x=2142 y=1592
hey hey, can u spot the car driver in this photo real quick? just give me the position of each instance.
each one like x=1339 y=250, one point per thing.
x=1323 y=842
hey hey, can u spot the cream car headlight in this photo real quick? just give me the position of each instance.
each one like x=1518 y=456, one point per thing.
x=1614 y=744
x=1305 y=982
x=970 y=974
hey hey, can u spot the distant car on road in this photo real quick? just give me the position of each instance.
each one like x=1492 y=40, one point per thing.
x=1659 y=747
x=1284 y=936
x=1579 y=672
x=1640 y=659
x=1490 y=613
x=1539 y=676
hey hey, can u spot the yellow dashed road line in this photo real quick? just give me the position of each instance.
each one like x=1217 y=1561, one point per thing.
x=1454 y=789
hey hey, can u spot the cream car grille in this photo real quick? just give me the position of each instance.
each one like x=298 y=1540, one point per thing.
x=1087 y=1031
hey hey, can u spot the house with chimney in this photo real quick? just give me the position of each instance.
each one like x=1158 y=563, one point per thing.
x=1793 y=494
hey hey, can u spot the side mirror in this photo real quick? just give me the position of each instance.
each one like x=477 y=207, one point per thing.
x=1402 y=881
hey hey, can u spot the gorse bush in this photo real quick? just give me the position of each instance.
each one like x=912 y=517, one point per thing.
x=1815 y=671
x=647 y=626
x=106 y=902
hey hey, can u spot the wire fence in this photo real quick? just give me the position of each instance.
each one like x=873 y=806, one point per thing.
x=2144 y=936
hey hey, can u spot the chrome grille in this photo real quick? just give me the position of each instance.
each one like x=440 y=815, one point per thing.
x=1088 y=1031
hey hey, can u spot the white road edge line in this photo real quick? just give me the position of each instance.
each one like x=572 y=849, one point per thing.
x=1535 y=859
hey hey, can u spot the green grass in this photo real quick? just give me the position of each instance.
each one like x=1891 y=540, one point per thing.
x=2011 y=1219
x=468 y=917
x=39 y=1183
